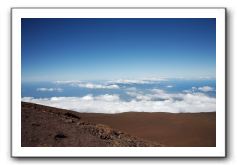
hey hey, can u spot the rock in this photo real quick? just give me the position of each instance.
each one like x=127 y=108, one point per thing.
x=69 y=114
x=59 y=136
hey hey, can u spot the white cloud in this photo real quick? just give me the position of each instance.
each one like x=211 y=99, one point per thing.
x=202 y=89
x=111 y=84
x=107 y=97
x=192 y=90
x=169 y=86
x=137 y=81
x=67 y=82
x=88 y=85
x=97 y=86
x=127 y=81
x=87 y=97
x=139 y=96
x=206 y=89
x=49 y=89
x=187 y=91
x=156 y=101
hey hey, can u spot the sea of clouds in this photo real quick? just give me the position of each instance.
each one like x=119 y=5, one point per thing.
x=109 y=84
x=155 y=100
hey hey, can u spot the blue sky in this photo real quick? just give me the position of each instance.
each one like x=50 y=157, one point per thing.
x=97 y=49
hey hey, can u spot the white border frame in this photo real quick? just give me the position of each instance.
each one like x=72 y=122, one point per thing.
x=218 y=151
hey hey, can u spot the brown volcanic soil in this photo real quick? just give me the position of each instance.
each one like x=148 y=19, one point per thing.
x=43 y=126
x=183 y=129
x=47 y=126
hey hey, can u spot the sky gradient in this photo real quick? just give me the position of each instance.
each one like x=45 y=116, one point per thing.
x=103 y=49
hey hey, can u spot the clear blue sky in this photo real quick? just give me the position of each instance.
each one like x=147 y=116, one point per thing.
x=91 y=49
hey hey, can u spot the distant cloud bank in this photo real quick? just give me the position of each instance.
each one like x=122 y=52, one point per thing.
x=110 y=84
x=137 y=81
x=89 y=85
x=49 y=89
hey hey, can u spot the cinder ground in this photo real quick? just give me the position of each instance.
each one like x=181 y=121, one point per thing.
x=43 y=126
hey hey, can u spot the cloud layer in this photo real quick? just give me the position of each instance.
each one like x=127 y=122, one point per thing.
x=49 y=89
x=137 y=81
x=97 y=86
x=110 y=84
x=89 y=85
x=155 y=101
